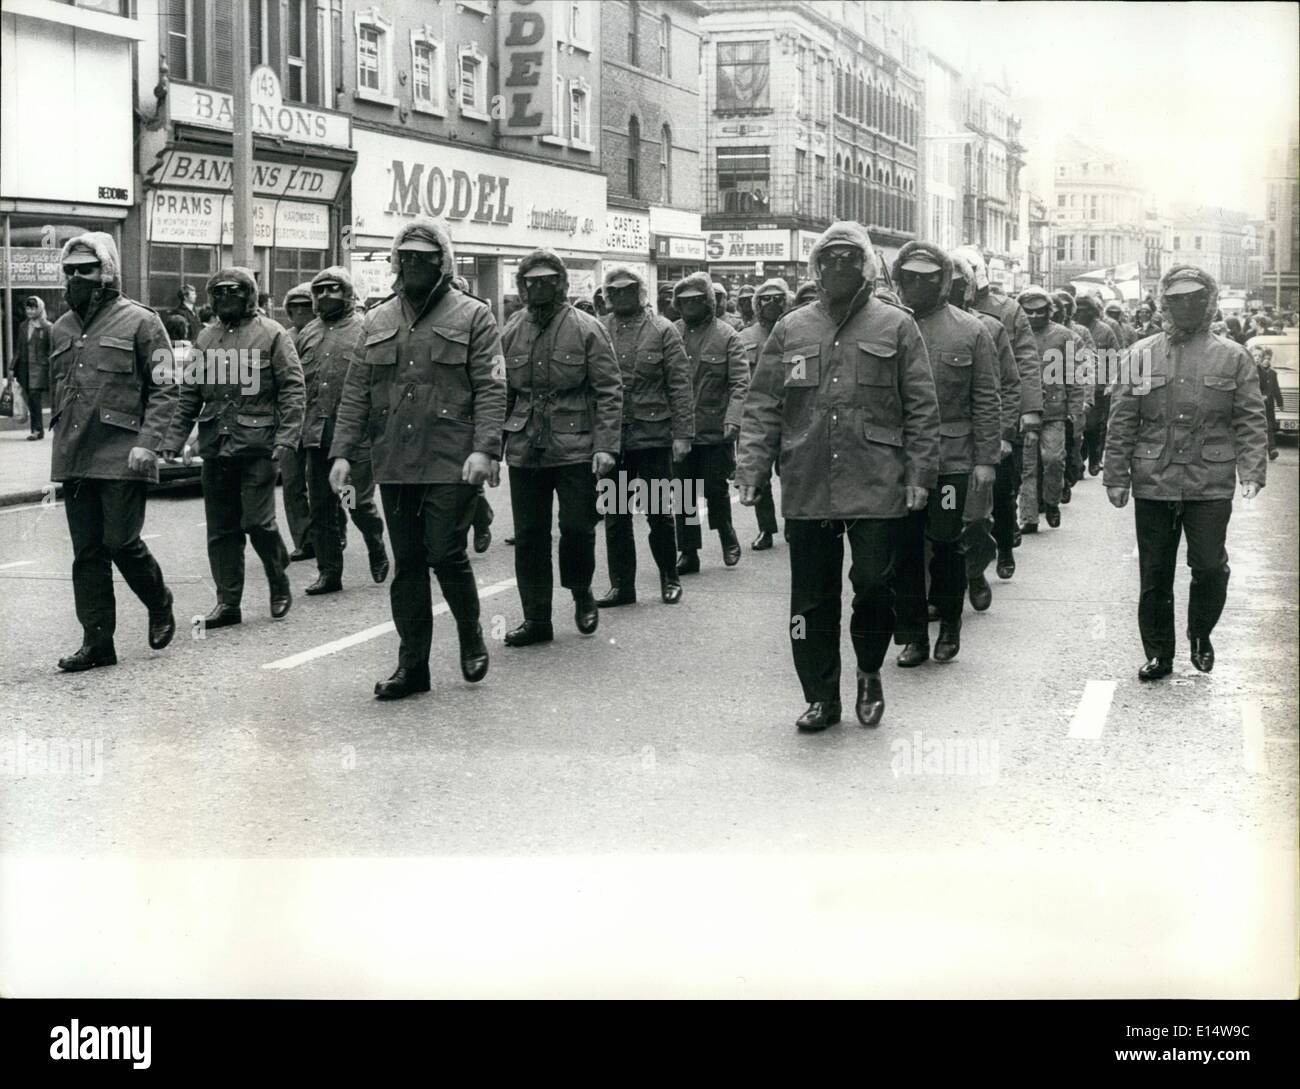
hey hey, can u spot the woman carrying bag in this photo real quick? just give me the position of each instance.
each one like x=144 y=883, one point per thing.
x=32 y=362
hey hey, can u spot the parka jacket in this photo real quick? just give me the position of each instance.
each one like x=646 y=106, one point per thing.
x=849 y=407
x=719 y=371
x=658 y=406
x=1185 y=427
x=326 y=348
x=1023 y=344
x=32 y=355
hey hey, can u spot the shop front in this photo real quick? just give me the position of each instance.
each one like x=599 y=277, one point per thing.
x=677 y=245
x=499 y=208
x=737 y=258
x=301 y=167
x=627 y=242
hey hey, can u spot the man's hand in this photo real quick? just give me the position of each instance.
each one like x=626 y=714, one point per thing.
x=282 y=451
x=1118 y=496
x=1031 y=421
x=1004 y=449
x=681 y=448
x=916 y=497
x=494 y=473
x=1249 y=490
x=477 y=469
x=187 y=454
x=140 y=459
x=748 y=495
x=602 y=464
x=339 y=473
x=730 y=433
x=984 y=475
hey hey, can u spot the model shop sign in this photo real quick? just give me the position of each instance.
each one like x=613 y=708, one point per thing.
x=749 y=246
x=527 y=52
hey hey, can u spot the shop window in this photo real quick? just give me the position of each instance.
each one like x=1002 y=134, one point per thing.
x=744 y=177
x=171 y=267
x=292 y=267
x=428 y=73
x=742 y=75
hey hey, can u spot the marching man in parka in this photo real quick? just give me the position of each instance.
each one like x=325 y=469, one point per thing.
x=564 y=416
x=844 y=395
x=1186 y=419
x=771 y=301
x=109 y=423
x=246 y=422
x=293 y=468
x=965 y=368
x=1108 y=346
x=658 y=425
x=422 y=402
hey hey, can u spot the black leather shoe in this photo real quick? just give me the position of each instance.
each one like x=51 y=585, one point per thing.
x=616 y=596
x=88 y=657
x=931 y=613
x=1029 y=527
x=1053 y=516
x=586 y=613
x=1155 y=669
x=819 y=715
x=473 y=652
x=529 y=632
x=1066 y=493
x=403 y=682
x=509 y=540
x=730 y=546
x=222 y=616
x=670 y=590
x=870 y=705
x=762 y=542
x=1272 y=455
x=1202 y=655
x=1094 y=468
x=379 y=566
x=948 y=643
x=981 y=593
x=306 y=552
x=325 y=584
x=688 y=563
x=1006 y=565
x=1015 y=537
x=162 y=625
x=281 y=599
x=914 y=654
x=482 y=541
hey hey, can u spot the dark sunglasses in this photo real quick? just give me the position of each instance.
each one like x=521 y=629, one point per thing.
x=84 y=271
x=840 y=258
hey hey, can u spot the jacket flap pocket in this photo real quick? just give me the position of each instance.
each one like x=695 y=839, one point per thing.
x=118 y=418
x=1219 y=450
x=878 y=347
x=380 y=348
x=448 y=332
x=60 y=349
x=649 y=414
x=116 y=354
x=562 y=421
x=515 y=423
x=568 y=359
x=1219 y=381
x=379 y=336
x=802 y=370
x=808 y=351
x=890 y=436
x=1154 y=381
x=1148 y=449
x=954 y=428
x=125 y=343
x=249 y=419
x=954 y=359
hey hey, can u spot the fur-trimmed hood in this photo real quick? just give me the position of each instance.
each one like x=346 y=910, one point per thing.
x=619 y=272
x=298 y=291
x=1065 y=301
x=439 y=232
x=972 y=256
x=962 y=269
x=926 y=249
x=778 y=283
x=1034 y=292
x=700 y=280
x=844 y=233
x=543 y=257
x=1183 y=272
x=104 y=248
x=241 y=276
x=344 y=278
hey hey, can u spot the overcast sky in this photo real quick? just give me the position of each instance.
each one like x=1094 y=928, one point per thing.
x=1194 y=95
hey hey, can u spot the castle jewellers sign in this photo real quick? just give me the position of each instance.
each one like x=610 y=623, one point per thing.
x=272 y=116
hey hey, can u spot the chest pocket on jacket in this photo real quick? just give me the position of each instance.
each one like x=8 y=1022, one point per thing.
x=568 y=368
x=802 y=366
x=952 y=374
x=1150 y=407
x=875 y=363
x=116 y=354
x=1220 y=389
x=380 y=350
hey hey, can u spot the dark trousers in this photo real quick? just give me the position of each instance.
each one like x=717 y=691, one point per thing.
x=1006 y=488
x=239 y=500
x=816 y=573
x=327 y=511
x=941 y=523
x=104 y=519
x=1159 y=525
x=36 y=421
x=655 y=467
x=765 y=509
x=1270 y=416
x=427 y=524
x=978 y=547
x=531 y=492
x=293 y=482
x=1094 y=431
x=483 y=513
x=709 y=464
x=1073 y=454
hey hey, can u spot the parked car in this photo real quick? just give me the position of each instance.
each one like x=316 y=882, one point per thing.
x=1286 y=362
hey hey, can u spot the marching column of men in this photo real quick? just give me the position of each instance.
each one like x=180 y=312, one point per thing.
x=890 y=426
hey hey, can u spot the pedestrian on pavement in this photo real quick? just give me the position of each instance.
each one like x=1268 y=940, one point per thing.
x=1006 y=488
x=964 y=364
x=719 y=379
x=1062 y=399
x=1108 y=349
x=32 y=363
x=658 y=426
x=1081 y=375
x=184 y=309
x=326 y=346
x=293 y=466
x=1271 y=391
x=979 y=543
x=564 y=416
x=246 y=420
x=110 y=416
x=843 y=393
x=771 y=301
x=1179 y=432
x=423 y=392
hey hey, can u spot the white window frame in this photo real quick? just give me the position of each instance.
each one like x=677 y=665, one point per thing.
x=373 y=19
x=300 y=61
x=188 y=37
x=437 y=103
x=474 y=53
x=558 y=94
x=479 y=7
x=578 y=85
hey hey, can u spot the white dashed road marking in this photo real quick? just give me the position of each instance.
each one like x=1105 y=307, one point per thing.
x=365 y=636
x=1094 y=705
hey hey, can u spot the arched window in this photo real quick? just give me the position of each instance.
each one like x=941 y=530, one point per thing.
x=860 y=102
x=633 y=33
x=633 y=157
x=666 y=47
x=839 y=178
x=860 y=211
x=666 y=165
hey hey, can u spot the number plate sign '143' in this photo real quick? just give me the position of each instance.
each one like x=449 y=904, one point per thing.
x=527 y=52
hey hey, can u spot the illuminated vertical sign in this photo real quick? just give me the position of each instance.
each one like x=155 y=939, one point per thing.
x=527 y=53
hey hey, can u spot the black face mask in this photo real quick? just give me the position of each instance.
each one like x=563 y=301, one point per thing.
x=421 y=278
x=329 y=308
x=922 y=295
x=80 y=291
x=626 y=301
x=1188 y=311
x=842 y=282
x=957 y=293
x=695 y=309
x=1037 y=319
x=771 y=309
x=230 y=308
x=542 y=293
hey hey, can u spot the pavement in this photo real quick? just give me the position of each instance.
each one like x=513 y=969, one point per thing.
x=634 y=812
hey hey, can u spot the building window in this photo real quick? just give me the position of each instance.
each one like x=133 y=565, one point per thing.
x=428 y=73
x=258 y=37
x=634 y=34
x=374 y=57
x=172 y=267
x=742 y=76
x=296 y=51
x=368 y=58
x=1060 y=248
x=179 y=15
x=1092 y=247
x=633 y=158
x=471 y=80
x=819 y=186
x=800 y=182
x=666 y=165
x=580 y=114
x=666 y=47
x=1092 y=207
x=1060 y=200
x=743 y=178
x=1196 y=242
x=579 y=28
x=1178 y=243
